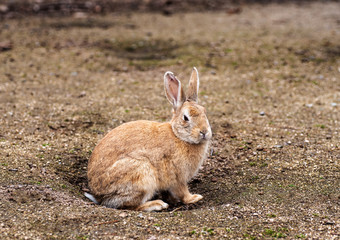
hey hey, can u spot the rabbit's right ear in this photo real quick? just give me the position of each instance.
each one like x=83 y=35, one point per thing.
x=194 y=84
x=173 y=90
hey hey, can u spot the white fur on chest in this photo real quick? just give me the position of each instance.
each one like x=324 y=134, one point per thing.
x=194 y=166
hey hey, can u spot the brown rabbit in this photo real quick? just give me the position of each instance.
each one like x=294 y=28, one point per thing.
x=137 y=159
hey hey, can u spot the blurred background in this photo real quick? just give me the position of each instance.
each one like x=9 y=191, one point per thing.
x=67 y=7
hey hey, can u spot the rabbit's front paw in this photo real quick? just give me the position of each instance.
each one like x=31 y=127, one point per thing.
x=192 y=198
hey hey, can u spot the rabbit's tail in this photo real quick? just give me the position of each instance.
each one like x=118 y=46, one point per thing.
x=91 y=197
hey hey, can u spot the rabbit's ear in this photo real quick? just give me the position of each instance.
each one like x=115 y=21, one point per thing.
x=194 y=83
x=173 y=90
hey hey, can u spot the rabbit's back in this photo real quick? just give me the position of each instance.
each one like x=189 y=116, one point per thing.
x=123 y=152
x=128 y=138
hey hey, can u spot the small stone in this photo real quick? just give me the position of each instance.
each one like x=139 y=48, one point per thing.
x=262 y=113
x=309 y=105
x=333 y=104
x=233 y=136
x=301 y=144
x=329 y=223
x=259 y=148
x=6 y=45
x=82 y=94
x=36 y=7
x=3 y=8
x=79 y=15
x=97 y=8
x=278 y=146
x=123 y=215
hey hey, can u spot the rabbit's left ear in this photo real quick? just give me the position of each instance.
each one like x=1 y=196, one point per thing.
x=173 y=90
x=194 y=83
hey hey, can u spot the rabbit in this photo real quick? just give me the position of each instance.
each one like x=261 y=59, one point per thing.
x=137 y=159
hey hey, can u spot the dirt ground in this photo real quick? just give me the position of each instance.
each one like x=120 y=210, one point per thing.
x=270 y=83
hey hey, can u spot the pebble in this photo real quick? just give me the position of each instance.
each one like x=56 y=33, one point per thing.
x=309 y=105
x=262 y=113
x=3 y=8
x=259 y=148
x=328 y=223
x=82 y=94
x=333 y=104
x=214 y=179
x=278 y=146
x=123 y=215
x=80 y=15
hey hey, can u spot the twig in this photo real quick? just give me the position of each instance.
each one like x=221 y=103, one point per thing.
x=176 y=209
x=114 y=221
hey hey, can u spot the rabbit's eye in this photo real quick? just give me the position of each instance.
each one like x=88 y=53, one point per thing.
x=185 y=118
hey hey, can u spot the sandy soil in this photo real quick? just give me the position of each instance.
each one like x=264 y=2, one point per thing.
x=270 y=83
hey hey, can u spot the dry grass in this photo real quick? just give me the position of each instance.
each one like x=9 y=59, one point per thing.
x=270 y=83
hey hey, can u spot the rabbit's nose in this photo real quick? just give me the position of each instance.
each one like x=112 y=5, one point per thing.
x=202 y=134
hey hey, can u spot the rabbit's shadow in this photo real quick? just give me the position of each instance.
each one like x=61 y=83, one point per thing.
x=72 y=169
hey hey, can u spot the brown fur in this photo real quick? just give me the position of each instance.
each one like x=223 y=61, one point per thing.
x=139 y=158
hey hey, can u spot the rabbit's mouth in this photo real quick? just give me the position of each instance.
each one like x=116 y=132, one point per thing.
x=202 y=138
x=194 y=140
x=205 y=136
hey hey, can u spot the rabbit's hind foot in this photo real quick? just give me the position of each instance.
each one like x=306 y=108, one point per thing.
x=192 y=198
x=155 y=205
